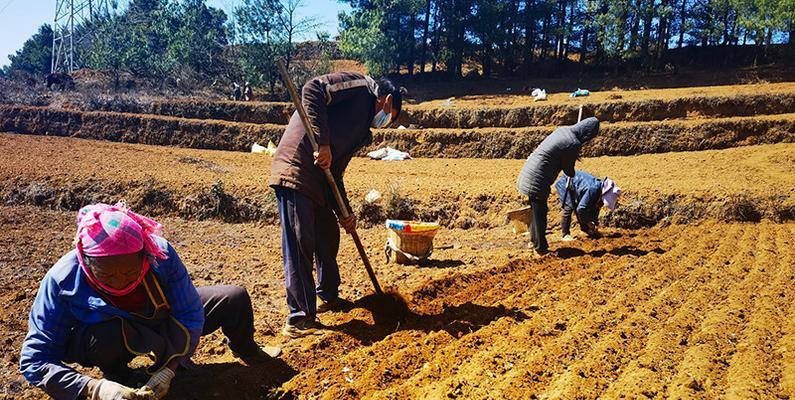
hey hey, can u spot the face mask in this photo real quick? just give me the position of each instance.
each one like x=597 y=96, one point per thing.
x=107 y=289
x=381 y=119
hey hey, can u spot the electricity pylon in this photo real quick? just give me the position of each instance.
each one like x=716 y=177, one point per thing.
x=71 y=27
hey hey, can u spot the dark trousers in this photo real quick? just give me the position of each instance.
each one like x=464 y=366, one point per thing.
x=565 y=219
x=227 y=307
x=589 y=216
x=310 y=240
x=538 y=227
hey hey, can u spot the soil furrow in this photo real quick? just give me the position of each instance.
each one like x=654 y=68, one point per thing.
x=653 y=368
x=551 y=336
x=785 y=347
x=603 y=316
x=751 y=372
x=473 y=302
x=702 y=371
x=608 y=358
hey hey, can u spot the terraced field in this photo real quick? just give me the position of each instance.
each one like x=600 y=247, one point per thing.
x=656 y=121
x=687 y=295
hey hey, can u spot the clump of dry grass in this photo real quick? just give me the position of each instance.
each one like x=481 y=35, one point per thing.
x=640 y=213
x=740 y=208
x=780 y=209
x=394 y=205
x=216 y=203
x=399 y=206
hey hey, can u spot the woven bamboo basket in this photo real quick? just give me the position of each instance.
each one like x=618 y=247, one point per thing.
x=409 y=242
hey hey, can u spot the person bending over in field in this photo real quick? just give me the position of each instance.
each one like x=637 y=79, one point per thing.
x=341 y=107
x=585 y=195
x=123 y=291
x=558 y=151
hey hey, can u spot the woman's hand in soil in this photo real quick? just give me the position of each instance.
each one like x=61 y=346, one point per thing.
x=160 y=382
x=103 y=389
x=323 y=156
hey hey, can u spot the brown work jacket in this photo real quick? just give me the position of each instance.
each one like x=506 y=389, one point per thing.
x=340 y=107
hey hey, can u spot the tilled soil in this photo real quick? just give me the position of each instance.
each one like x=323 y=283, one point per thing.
x=510 y=111
x=676 y=311
x=515 y=97
x=689 y=303
x=623 y=138
x=636 y=125
x=701 y=311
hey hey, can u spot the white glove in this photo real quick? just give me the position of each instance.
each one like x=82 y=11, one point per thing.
x=160 y=382
x=109 y=390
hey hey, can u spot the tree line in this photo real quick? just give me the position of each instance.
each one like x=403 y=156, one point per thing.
x=512 y=37
x=188 y=41
x=184 y=40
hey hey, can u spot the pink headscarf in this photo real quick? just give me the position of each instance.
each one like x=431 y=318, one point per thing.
x=105 y=230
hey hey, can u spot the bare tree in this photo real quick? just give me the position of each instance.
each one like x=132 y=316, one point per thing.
x=291 y=26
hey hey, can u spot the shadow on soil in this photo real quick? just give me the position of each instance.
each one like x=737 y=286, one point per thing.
x=441 y=263
x=455 y=320
x=571 y=252
x=232 y=381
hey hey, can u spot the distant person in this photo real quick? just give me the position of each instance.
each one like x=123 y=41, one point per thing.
x=248 y=93
x=585 y=195
x=123 y=291
x=236 y=94
x=342 y=107
x=557 y=152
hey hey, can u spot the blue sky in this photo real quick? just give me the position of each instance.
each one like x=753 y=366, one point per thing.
x=20 y=19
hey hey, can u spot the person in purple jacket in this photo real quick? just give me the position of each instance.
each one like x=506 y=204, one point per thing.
x=584 y=195
x=122 y=292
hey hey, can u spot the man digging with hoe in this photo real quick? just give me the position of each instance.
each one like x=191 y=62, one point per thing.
x=340 y=109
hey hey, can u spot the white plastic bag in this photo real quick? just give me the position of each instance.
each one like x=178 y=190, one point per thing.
x=256 y=148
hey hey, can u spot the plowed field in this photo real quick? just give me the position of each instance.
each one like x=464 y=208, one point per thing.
x=689 y=294
x=700 y=308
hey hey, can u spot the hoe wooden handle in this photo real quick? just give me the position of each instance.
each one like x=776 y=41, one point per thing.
x=329 y=177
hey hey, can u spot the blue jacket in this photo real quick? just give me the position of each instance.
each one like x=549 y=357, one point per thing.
x=587 y=192
x=65 y=301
